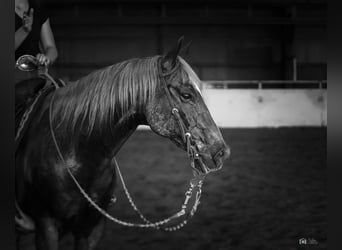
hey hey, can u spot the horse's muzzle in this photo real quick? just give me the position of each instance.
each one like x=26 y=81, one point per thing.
x=221 y=156
x=205 y=165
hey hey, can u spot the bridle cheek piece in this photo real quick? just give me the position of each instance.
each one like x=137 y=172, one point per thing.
x=191 y=147
x=191 y=150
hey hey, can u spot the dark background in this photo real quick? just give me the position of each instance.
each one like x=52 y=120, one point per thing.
x=231 y=40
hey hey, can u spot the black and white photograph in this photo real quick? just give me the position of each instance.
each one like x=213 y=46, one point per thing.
x=170 y=125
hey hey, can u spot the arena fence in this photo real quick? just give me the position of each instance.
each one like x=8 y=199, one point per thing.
x=267 y=84
x=267 y=103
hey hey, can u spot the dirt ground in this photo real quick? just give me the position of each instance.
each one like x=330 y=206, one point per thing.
x=269 y=194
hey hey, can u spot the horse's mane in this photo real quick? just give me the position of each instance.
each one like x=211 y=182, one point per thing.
x=93 y=100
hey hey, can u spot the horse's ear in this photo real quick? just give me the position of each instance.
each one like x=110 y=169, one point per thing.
x=185 y=49
x=169 y=60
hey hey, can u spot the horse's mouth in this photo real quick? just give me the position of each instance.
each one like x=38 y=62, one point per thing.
x=198 y=164
x=202 y=169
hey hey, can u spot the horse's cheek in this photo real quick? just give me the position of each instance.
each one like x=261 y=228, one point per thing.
x=158 y=121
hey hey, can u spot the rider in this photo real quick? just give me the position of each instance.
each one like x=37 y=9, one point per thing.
x=33 y=35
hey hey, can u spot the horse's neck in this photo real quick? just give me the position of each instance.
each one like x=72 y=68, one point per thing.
x=121 y=130
x=112 y=131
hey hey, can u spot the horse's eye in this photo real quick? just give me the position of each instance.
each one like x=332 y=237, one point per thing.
x=186 y=96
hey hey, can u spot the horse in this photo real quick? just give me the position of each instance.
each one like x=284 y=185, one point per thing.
x=90 y=119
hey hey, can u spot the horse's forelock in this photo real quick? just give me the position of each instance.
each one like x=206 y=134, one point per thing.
x=194 y=79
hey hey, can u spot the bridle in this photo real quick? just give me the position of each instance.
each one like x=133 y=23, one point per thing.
x=195 y=183
x=191 y=147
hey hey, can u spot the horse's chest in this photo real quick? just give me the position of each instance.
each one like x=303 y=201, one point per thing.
x=99 y=187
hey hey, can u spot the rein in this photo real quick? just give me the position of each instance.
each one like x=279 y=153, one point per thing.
x=195 y=183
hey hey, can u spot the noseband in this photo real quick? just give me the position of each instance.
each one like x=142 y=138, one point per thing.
x=191 y=147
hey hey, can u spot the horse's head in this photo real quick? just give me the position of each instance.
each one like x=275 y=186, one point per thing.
x=177 y=111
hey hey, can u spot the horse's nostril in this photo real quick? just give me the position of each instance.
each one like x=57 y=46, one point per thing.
x=223 y=153
x=219 y=155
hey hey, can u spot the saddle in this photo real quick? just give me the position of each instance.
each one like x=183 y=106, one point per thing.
x=30 y=93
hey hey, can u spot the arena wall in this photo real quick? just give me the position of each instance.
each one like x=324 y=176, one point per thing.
x=267 y=107
x=231 y=40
